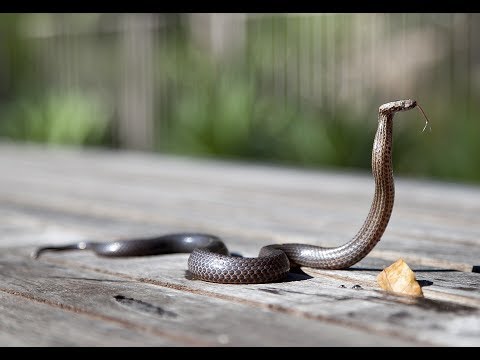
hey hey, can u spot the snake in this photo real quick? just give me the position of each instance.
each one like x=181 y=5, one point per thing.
x=211 y=261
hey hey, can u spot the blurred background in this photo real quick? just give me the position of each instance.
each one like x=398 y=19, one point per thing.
x=293 y=89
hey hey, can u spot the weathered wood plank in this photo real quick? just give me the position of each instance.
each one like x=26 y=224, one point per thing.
x=26 y=322
x=340 y=213
x=170 y=215
x=160 y=170
x=329 y=188
x=319 y=298
x=144 y=167
x=160 y=313
x=61 y=196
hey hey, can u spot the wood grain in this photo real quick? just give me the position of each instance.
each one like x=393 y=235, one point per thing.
x=55 y=196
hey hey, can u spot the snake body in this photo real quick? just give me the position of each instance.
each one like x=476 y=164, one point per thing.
x=210 y=259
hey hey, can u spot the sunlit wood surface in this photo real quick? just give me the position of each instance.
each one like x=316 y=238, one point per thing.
x=58 y=196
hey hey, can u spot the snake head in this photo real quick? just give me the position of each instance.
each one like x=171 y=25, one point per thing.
x=395 y=106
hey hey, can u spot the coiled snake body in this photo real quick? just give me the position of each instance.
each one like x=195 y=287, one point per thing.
x=210 y=260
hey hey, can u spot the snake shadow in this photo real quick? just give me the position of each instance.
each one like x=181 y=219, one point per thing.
x=414 y=270
x=296 y=274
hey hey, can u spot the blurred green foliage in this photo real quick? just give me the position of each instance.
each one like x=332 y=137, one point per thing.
x=69 y=118
x=222 y=110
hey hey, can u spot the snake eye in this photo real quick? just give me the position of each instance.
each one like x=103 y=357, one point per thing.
x=409 y=104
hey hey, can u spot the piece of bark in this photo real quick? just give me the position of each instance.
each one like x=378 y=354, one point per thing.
x=399 y=279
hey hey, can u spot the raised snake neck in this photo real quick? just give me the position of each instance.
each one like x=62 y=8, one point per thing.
x=210 y=260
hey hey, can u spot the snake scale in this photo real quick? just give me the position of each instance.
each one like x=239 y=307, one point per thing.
x=210 y=259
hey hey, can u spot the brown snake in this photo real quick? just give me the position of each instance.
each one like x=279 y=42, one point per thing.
x=210 y=259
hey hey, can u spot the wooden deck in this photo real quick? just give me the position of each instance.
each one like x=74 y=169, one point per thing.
x=77 y=299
